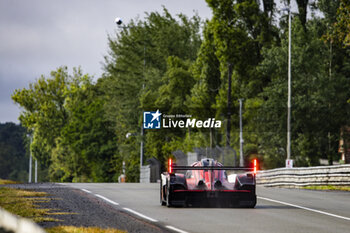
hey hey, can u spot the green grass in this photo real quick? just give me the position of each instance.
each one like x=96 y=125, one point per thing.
x=328 y=187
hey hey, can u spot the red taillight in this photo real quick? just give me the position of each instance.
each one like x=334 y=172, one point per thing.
x=170 y=166
x=255 y=166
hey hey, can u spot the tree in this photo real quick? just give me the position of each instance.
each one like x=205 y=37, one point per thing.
x=71 y=135
x=13 y=159
x=239 y=31
x=302 y=8
x=171 y=97
x=43 y=111
x=206 y=72
x=318 y=100
x=142 y=69
x=86 y=146
x=177 y=83
x=342 y=26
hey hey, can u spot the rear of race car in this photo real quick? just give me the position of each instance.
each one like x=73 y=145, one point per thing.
x=207 y=183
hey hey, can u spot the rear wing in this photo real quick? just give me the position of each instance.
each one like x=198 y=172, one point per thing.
x=173 y=167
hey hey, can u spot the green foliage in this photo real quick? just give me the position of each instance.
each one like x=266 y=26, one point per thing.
x=236 y=34
x=71 y=135
x=79 y=127
x=177 y=83
x=149 y=68
x=341 y=28
x=87 y=136
x=206 y=72
x=318 y=98
x=44 y=111
x=13 y=159
x=302 y=7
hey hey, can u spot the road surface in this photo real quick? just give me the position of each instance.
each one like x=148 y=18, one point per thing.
x=277 y=210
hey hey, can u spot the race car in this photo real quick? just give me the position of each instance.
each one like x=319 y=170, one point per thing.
x=208 y=183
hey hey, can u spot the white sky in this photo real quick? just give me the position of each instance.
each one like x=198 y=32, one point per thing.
x=37 y=36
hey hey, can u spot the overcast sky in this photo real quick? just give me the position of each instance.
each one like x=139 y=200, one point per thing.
x=37 y=36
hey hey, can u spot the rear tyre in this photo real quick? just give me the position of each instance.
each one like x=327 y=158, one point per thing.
x=162 y=202
x=254 y=204
x=168 y=202
x=248 y=204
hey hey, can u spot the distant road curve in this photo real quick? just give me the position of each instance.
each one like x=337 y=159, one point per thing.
x=278 y=210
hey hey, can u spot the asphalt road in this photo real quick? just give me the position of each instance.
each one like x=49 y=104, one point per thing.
x=277 y=210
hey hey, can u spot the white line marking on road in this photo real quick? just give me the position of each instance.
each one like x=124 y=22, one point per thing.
x=85 y=190
x=106 y=199
x=176 y=229
x=140 y=215
x=305 y=208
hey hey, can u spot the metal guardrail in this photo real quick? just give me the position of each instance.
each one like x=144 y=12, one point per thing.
x=305 y=176
x=13 y=223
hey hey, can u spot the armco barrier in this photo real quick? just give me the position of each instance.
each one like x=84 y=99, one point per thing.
x=305 y=176
x=12 y=223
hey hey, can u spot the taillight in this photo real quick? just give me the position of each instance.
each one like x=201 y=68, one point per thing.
x=255 y=166
x=170 y=166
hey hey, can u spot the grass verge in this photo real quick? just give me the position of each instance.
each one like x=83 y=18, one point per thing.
x=71 y=229
x=24 y=203
x=328 y=187
x=8 y=182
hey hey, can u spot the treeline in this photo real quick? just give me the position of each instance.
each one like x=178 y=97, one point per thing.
x=180 y=66
x=14 y=154
x=13 y=159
